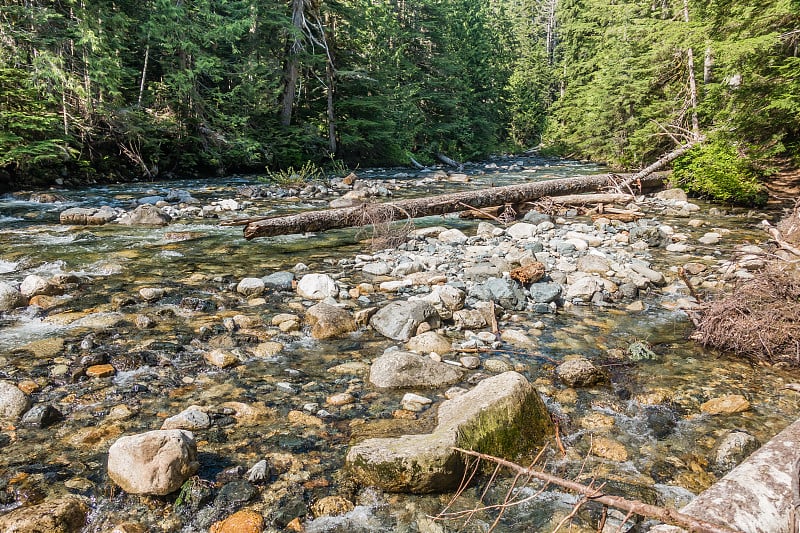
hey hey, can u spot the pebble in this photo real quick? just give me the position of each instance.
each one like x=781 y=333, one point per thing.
x=221 y=358
x=470 y=362
x=100 y=371
x=343 y=398
x=414 y=402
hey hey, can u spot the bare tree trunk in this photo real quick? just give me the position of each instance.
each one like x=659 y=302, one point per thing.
x=367 y=214
x=144 y=73
x=692 y=83
x=330 y=73
x=291 y=71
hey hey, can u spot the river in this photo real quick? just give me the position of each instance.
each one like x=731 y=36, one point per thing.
x=651 y=407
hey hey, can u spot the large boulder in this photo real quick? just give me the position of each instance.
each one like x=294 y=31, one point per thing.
x=398 y=369
x=399 y=320
x=145 y=215
x=503 y=415
x=57 y=515
x=156 y=462
x=87 y=216
x=329 y=321
x=34 y=285
x=10 y=297
x=13 y=402
x=317 y=287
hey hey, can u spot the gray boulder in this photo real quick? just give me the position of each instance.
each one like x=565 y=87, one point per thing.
x=10 y=297
x=250 y=287
x=544 y=293
x=398 y=369
x=399 y=320
x=506 y=293
x=156 y=462
x=502 y=415
x=145 y=215
x=189 y=419
x=13 y=402
x=281 y=281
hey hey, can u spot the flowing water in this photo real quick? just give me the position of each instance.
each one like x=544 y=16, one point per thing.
x=160 y=370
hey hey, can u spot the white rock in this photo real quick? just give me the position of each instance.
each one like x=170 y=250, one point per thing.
x=251 y=287
x=33 y=285
x=452 y=236
x=317 y=287
x=13 y=402
x=521 y=230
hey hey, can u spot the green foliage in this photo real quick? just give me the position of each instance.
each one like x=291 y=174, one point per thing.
x=715 y=170
x=291 y=177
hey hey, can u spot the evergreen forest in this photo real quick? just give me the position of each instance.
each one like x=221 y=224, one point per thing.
x=107 y=90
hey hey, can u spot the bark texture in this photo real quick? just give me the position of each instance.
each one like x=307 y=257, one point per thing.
x=367 y=214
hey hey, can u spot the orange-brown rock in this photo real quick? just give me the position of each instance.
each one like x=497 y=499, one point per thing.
x=244 y=521
x=528 y=274
x=100 y=371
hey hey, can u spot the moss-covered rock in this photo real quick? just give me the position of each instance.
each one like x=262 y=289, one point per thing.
x=503 y=416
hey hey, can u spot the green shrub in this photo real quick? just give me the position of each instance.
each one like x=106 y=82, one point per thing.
x=291 y=177
x=716 y=171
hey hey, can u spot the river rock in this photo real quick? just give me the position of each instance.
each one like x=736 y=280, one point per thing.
x=609 y=449
x=545 y=293
x=445 y=298
x=521 y=230
x=57 y=515
x=332 y=506
x=733 y=448
x=189 y=419
x=452 y=236
x=502 y=415
x=470 y=319
x=221 y=358
x=10 y=297
x=280 y=281
x=329 y=321
x=87 y=216
x=579 y=372
x=530 y=273
x=34 y=285
x=317 y=287
x=13 y=402
x=397 y=369
x=653 y=276
x=506 y=293
x=251 y=287
x=156 y=462
x=651 y=235
x=41 y=416
x=399 y=320
x=430 y=341
x=593 y=264
x=145 y=215
x=377 y=268
x=244 y=521
x=583 y=288
x=726 y=405
x=674 y=194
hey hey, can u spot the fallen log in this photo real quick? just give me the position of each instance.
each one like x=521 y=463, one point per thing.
x=367 y=214
x=450 y=162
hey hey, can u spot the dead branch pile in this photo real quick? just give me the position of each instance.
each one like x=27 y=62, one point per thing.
x=760 y=319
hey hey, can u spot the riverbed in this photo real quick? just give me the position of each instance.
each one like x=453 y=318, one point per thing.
x=151 y=301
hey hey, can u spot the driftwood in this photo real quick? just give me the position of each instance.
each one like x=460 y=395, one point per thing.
x=584 y=199
x=450 y=162
x=668 y=516
x=367 y=214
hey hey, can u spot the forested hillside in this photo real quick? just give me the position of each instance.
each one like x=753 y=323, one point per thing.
x=98 y=90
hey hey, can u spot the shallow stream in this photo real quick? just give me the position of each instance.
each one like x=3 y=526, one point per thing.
x=198 y=262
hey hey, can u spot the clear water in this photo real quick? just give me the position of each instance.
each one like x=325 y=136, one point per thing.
x=160 y=370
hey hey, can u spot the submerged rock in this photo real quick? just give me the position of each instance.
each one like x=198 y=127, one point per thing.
x=244 y=521
x=156 y=462
x=397 y=370
x=733 y=448
x=579 y=372
x=57 y=515
x=502 y=415
x=329 y=321
x=13 y=402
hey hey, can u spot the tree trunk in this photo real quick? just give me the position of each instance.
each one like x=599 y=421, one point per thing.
x=367 y=214
x=291 y=72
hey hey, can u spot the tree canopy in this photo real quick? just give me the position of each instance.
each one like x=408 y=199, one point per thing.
x=108 y=90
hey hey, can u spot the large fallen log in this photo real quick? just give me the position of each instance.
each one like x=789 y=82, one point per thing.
x=367 y=214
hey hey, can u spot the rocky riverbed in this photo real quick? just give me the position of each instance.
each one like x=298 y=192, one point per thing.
x=162 y=374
